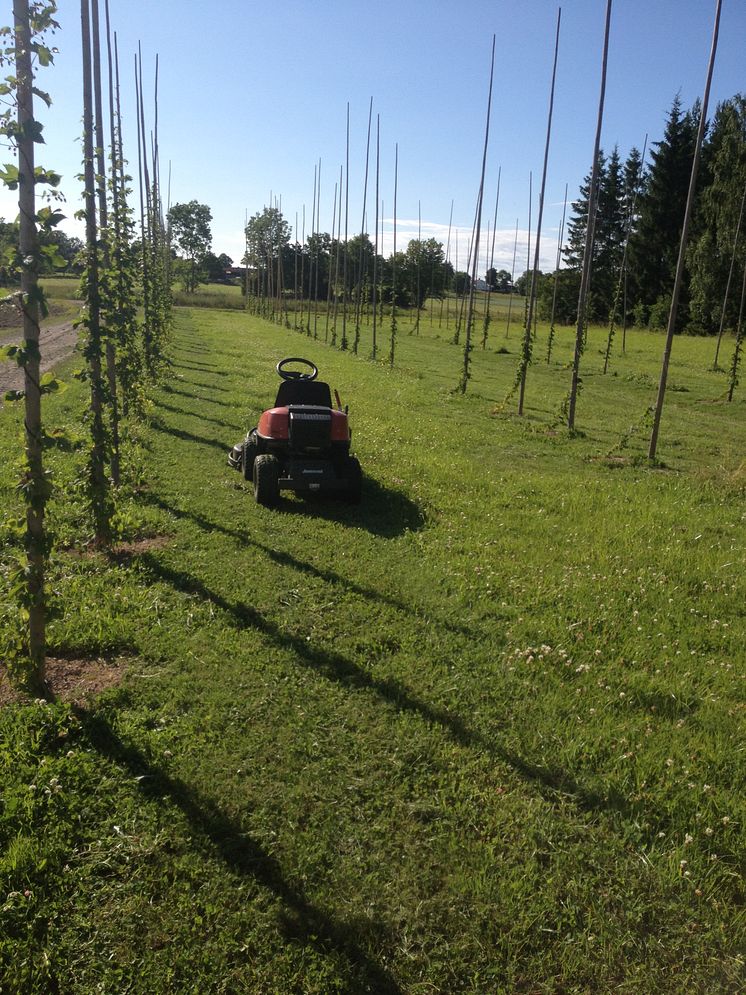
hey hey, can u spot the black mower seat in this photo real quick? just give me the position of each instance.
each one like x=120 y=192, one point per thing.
x=314 y=392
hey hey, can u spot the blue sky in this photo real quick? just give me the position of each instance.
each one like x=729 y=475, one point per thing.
x=253 y=95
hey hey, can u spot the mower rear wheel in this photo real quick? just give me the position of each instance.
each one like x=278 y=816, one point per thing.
x=250 y=452
x=353 y=492
x=266 y=480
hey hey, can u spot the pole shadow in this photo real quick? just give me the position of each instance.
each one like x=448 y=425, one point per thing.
x=160 y=426
x=213 y=421
x=170 y=389
x=245 y=856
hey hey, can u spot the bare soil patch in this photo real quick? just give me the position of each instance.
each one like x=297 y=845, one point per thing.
x=71 y=679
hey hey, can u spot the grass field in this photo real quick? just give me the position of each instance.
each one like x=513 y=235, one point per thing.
x=482 y=734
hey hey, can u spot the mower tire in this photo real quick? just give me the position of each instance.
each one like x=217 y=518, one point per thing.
x=249 y=454
x=353 y=492
x=266 y=475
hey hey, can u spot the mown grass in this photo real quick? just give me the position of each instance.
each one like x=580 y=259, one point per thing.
x=482 y=734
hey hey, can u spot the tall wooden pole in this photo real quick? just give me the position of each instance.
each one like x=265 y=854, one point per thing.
x=682 y=244
x=528 y=334
x=466 y=368
x=589 y=234
x=98 y=483
x=375 y=251
x=29 y=251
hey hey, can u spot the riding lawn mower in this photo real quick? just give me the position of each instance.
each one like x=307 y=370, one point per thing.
x=301 y=444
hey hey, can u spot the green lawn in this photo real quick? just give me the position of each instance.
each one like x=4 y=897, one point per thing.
x=482 y=734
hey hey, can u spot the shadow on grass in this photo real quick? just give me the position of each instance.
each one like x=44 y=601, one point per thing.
x=209 y=369
x=382 y=511
x=170 y=389
x=195 y=414
x=303 y=922
x=178 y=433
x=555 y=784
x=288 y=560
x=332 y=666
x=207 y=386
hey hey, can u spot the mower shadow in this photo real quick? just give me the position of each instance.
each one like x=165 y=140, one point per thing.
x=302 y=921
x=382 y=512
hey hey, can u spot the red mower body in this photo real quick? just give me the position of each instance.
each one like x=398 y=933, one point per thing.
x=274 y=424
x=301 y=444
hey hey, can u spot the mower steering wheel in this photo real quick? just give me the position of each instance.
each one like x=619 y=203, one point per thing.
x=296 y=374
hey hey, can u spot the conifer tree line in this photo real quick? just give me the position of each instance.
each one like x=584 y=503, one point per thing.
x=639 y=216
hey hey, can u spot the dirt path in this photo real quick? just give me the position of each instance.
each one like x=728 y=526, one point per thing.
x=56 y=344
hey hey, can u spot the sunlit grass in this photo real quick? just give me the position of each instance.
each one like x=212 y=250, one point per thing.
x=482 y=734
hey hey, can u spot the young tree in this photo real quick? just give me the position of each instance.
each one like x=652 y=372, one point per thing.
x=190 y=232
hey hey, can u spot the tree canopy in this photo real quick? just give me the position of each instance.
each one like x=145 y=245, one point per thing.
x=192 y=235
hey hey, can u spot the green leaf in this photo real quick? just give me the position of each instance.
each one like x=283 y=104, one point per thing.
x=42 y=95
x=49 y=218
x=44 y=54
x=14 y=395
x=9 y=175
x=9 y=352
x=49 y=384
x=42 y=175
x=32 y=129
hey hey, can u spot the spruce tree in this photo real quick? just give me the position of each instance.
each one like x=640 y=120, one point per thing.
x=712 y=257
x=653 y=247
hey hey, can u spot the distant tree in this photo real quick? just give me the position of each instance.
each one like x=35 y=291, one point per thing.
x=461 y=283
x=429 y=256
x=215 y=267
x=190 y=233
x=8 y=246
x=566 y=303
x=267 y=234
x=503 y=282
x=523 y=283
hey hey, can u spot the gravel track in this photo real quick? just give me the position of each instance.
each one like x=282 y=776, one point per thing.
x=56 y=343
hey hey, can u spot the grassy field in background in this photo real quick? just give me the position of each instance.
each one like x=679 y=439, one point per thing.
x=482 y=734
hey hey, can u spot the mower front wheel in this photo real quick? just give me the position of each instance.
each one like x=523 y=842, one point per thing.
x=249 y=454
x=353 y=492
x=266 y=480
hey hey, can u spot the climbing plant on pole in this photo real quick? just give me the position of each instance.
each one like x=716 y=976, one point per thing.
x=22 y=46
x=99 y=491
